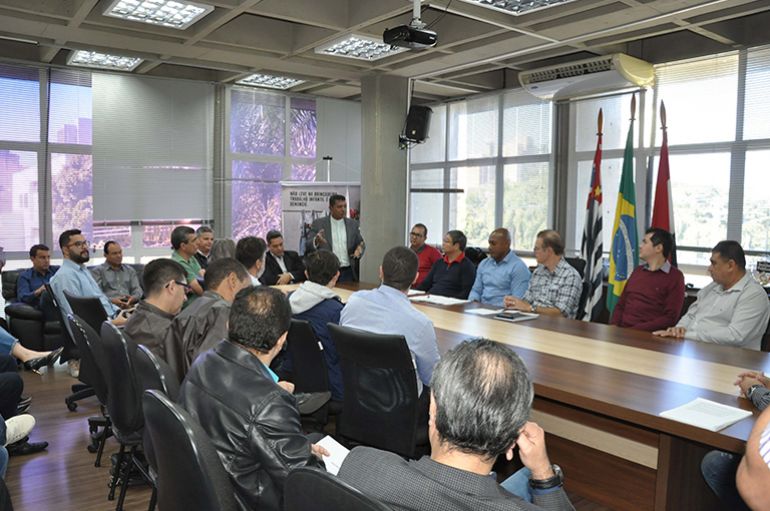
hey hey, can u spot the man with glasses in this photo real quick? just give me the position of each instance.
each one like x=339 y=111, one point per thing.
x=426 y=254
x=555 y=286
x=185 y=245
x=74 y=278
x=118 y=281
x=166 y=288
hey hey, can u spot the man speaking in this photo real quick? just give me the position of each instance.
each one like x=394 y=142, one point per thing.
x=340 y=235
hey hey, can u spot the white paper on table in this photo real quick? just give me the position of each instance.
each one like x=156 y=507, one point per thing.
x=414 y=292
x=337 y=451
x=438 y=300
x=706 y=414
x=481 y=311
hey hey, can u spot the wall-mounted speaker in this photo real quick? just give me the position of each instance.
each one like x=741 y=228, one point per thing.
x=418 y=123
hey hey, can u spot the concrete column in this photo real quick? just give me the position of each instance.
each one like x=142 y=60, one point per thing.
x=383 y=169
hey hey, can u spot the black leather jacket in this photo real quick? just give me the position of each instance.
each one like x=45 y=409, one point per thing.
x=253 y=423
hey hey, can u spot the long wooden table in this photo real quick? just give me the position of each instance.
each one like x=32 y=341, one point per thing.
x=599 y=392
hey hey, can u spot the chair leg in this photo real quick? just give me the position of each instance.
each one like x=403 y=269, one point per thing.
x=125 y=477
x=116 y=472
x=106 y=433
x=153 y=499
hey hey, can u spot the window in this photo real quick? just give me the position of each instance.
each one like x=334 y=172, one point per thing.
x=263 y=152
x=498 y=170
x=18 y=199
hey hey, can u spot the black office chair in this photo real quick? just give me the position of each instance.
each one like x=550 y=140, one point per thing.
x=309 y=366
x=124 y=407
x=317 y=490
x=152 y=373
x=33 y=328
x=578 y=263
x=91 y=364
x=381 y=405
x=89 y=309
x=475 y=255
x=81 y=390
x=765 y=343
x=190 y=474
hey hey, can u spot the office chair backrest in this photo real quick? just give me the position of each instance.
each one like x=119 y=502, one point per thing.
x=578 y=263
x=153 y=373
x=10 y=279
x=320 y=491
x=70 y=350
x=190 y=474
x=380 y=405
x=88 y=308
x=123 y=396
x=92 y=360
x=309 y=370
x=765 y=343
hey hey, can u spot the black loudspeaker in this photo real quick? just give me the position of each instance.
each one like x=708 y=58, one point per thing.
x=418 y=123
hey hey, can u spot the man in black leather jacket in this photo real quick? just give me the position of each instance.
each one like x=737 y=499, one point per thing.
x=251 y=418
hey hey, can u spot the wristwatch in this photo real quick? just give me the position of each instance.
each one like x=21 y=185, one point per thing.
x=552 y=482
x=751 y=390
x=532 y=308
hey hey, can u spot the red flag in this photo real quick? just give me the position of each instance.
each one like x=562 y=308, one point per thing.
x=663 y=208
x=591 y=247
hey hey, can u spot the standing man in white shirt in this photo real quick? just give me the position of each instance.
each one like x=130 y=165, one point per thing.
x=340 y=235
x=733 y=310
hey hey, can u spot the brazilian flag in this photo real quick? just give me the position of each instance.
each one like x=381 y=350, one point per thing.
x=624 y=253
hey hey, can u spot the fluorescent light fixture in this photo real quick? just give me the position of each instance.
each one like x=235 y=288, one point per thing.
x=362 y=47
x=517 y=7
x=270 y=81
x=18 y=39
x=165 y=13
x=85 y=58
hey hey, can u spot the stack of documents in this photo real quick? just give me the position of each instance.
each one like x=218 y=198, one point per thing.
x=706 y=414
x=437 y=300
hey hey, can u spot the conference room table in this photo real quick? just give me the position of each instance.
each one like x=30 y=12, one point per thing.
x=599 y=390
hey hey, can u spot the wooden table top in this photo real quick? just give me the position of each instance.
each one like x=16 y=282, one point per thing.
x=621 y=373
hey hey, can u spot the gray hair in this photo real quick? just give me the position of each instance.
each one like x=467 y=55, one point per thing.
x=483 y=395
x=221 y=248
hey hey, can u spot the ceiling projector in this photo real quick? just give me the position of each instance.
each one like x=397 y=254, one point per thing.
x=412 y=36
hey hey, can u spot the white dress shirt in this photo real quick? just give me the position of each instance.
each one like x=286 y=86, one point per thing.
x=340 y=241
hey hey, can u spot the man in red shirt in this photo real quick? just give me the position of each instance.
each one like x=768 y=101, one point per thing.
x=653 y=297
x=426 y=254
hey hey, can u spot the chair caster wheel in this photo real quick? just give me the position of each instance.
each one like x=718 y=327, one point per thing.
x=71 y=405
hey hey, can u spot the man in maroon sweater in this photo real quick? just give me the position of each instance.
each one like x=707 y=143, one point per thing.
x=426 y=254
x=654 y=294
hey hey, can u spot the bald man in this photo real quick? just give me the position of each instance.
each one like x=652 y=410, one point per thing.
x=501 y=274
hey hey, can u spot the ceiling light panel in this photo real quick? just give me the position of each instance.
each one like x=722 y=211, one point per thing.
x=98 y=60
x=359 y=47
x=164 y=13
x=517 y=7
x=270 y=81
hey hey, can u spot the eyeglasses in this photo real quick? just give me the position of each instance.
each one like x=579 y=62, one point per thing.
x=185 y=285
x=416 y=234
x=79 y=244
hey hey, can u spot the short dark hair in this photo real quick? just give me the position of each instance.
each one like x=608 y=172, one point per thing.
x=179 y=235
x=425 y=234
x=158 y=272
x=35 y=248
x=218 y=271
x=399 y=268
x=221 y=247
x=259 y=316
x=64 y=238
x=203 y=229
x=458 y=237
x=731 y=250
x=271 y=235
x=107 y=246
x=249 y=250
x=483 y=396
x=553 y=240
x=334 y=198
x=661 y=237
x=321 y=266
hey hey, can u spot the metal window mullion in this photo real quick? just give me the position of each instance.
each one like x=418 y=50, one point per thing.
x=445 y=164
x=738 y=158
x=219 y=208
x=499 y=168
x=44 y=180
x=226 y=228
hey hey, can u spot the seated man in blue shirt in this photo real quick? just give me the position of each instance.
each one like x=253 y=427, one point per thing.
x=31 y=283
x=74 y=278
x=501 y=274
x=387 y=310
x=453 y=274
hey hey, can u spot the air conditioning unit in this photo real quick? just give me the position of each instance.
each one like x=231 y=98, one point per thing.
x=590 y=76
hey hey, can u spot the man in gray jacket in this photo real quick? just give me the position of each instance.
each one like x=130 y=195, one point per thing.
x=481 y=395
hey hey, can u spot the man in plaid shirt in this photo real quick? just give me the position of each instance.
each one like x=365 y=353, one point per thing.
x=555 y=286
